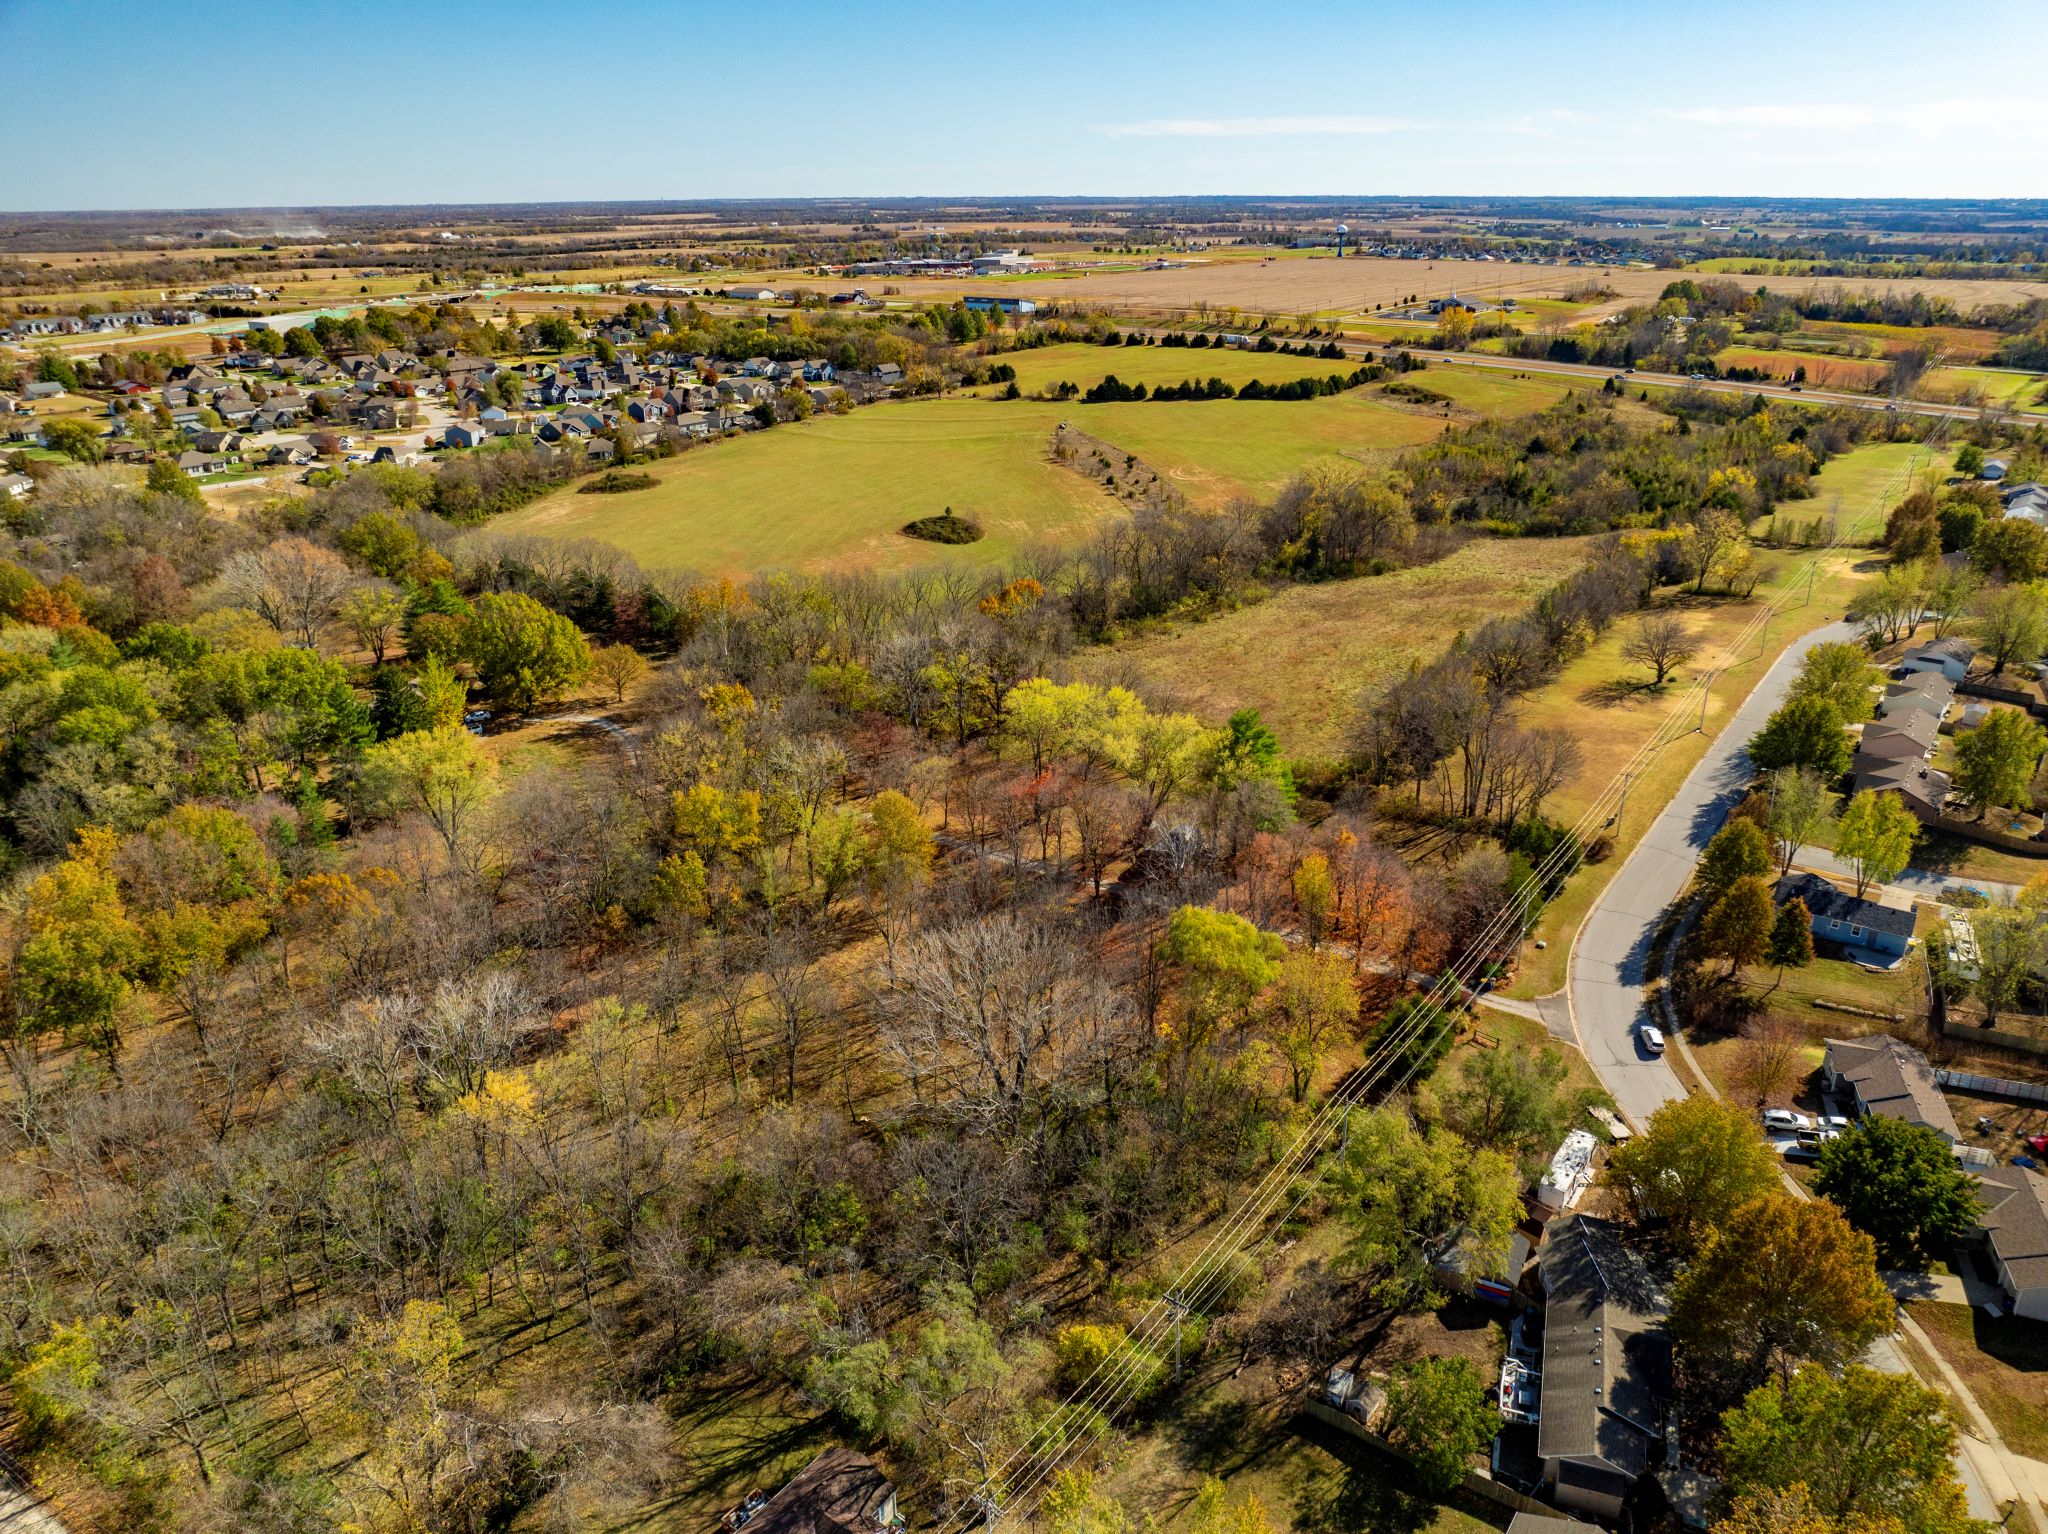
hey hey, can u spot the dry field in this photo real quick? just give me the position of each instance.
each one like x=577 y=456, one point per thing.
x=1302 y=657
x=1321 y=284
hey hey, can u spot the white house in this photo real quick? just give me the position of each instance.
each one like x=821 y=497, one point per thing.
x=2012 y=1231
x=1951 y=657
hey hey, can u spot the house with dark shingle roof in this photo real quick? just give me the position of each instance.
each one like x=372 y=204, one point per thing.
x=1925 y=789
x=1847 y=919
x=1925 y=692
x=2012 y=1231
x=1888 y=1079
x=1606 y=1366
x=1908 y=735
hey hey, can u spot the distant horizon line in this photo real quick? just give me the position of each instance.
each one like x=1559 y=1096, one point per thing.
x=973 y=199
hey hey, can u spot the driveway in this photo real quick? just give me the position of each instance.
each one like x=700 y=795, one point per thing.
x=1611 y=960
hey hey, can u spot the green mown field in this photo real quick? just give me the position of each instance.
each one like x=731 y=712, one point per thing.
x=1084 y=366
x=832 y=492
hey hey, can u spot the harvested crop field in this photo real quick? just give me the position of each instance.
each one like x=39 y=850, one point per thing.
x=1296 y=284
x=1302 y=657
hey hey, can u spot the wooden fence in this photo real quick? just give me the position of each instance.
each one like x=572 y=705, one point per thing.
x=1478 y=1484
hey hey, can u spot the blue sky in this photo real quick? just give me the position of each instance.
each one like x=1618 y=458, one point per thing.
x=161 y=103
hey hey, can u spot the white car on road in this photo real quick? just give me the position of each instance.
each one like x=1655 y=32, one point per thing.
x=1652 y=1038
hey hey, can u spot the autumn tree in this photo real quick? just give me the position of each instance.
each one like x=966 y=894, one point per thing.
x=2012 y=621
x=443 y=774
x=1696 y=1162
x=1738 y=925
x=1866 y=1445
x=294 y=585
x=1413 y=1196
x=1790 y=945
x=1439 y=1415
x=1876 y=834
x=1314 y=999
x=617 y=666
x=1737 y=851
x=1662 y=642
x=1839 y=672
x=1800 y=809
x=1995 y=762
x=1901 y=1184
x=1786 y=1281
x=523 y=653
x=1804 y=732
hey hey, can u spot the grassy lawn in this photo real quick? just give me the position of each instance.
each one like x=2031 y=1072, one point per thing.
x=1995 y=386
x=1217 y=450
x=2005 y=1364
x=1599 y=697
x=832 y=493
x=1307 y=687
x=1495 y=391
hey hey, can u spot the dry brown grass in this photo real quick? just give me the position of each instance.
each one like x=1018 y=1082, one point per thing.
x=1302 y=657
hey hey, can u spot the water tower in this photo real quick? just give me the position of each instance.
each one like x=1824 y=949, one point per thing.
x=1341 y=232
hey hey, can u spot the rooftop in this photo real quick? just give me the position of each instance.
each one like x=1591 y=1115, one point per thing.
x=2015 y=1218
x=1893 y=1079
x=1606 y=1361
x=1824 y=900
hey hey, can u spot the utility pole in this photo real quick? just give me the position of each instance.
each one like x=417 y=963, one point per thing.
x=1706 y=692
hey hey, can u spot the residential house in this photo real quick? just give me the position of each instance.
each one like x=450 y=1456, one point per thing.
x=198 y=464
x=1927 y=692
x=464 y=434
x=601 y=450
x=2027 y=500
x=1849 y=920
x=43 y=389
x=888 y=373
x=293 y=450
x=375 y=415
x=1606 y=1367
x=1888 y=1078
x=1993 y=470
x=840 y=1492
x=2012 y=1234
x=16 y=485
x=1906 y=736
x=692 y=423
x=1951 y=657
x=1924 y=789
x=217 y=441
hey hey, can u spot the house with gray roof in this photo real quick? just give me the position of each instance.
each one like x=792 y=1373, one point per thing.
x=1606 y=1366
x=1887 y=1078
x=1908 y=735
x=1927 y=692
x=2012 y=1233
x=1950 y=656
x=1924 y=789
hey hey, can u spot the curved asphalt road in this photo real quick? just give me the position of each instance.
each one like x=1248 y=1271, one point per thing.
x=1610 y=960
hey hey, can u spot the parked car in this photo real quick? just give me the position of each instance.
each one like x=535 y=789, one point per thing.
x=1837 y=1122
x=1652 y=1038
x=1785 y=1121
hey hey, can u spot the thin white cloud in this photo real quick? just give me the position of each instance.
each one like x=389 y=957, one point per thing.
x=1960 y=116
x=1257 y=127
x=1779 y=115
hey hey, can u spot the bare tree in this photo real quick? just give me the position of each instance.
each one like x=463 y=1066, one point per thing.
x=1661 y=642
x=294 y=585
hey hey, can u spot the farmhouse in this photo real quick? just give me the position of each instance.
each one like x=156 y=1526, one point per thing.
x=1889 y=1079
x=1848 y=920
x=1606 y=1367
x=2012 y=1235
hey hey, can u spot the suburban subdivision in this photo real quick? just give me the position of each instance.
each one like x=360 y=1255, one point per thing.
x=681 y=852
